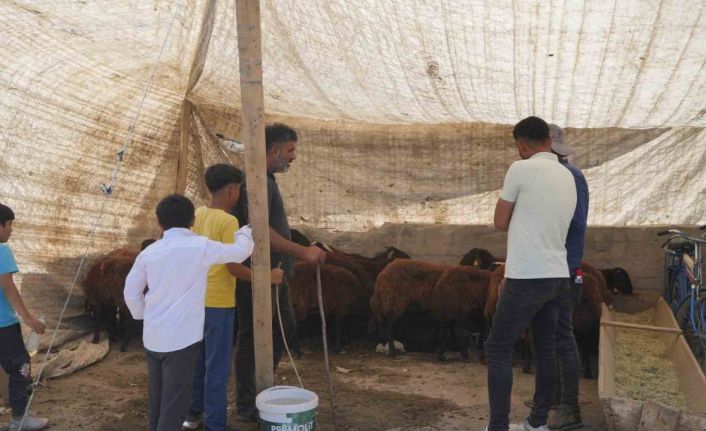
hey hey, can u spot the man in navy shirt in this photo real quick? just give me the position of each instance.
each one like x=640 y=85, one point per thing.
x=569 y=415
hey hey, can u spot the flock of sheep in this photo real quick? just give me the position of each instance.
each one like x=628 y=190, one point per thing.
x=379 y=290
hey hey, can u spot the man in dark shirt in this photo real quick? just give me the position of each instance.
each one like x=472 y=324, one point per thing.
x=569 y=415
x=281 y=143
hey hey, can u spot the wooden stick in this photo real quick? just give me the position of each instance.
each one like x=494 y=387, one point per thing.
x=184 y=139
x=642 y=327
x=253 y=108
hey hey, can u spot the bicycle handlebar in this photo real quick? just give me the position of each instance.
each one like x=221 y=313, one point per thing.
x=679 y=234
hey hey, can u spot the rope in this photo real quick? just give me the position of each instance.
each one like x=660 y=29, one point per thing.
x=284 y=339
x=107 y=192
x=323 y=332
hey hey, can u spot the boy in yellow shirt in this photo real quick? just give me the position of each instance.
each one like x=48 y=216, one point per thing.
x=210 y=396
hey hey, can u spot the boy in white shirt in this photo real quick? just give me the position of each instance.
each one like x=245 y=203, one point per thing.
x=176 y=269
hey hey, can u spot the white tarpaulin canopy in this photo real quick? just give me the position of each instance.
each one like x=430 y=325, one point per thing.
x=404 y=109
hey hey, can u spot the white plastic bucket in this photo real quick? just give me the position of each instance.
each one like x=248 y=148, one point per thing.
x=287 y=408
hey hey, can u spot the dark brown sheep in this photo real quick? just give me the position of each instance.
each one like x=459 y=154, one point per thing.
x=586 y=322
x=342 y=295
x=459 y=295
x=589 y=269
x=103 y=288
x=403 y=284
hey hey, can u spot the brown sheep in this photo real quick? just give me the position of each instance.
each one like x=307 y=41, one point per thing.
x=122 y=252
x=495 y=285
x=402 y=284
x=495 y=289
x=341 y=292
x=376 y=264
x=586 y=321
x=587 y=268
x=459 y=294
x=586 y=316
x=353 y=265
x=103 y=288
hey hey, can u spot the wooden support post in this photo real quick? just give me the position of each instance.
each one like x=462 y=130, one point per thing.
x=184 y=139
x=252 y=108
x=606 y=355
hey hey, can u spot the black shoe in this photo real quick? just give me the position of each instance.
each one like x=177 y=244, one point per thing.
x=554 y=406
x=565 y=419
x=246 y=417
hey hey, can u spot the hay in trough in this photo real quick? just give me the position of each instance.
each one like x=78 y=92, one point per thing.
x=642 y=369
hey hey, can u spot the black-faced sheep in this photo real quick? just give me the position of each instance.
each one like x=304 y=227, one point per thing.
x=618 y=281
x=480 y=258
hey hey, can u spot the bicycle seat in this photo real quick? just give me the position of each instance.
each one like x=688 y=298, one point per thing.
x=681 y=246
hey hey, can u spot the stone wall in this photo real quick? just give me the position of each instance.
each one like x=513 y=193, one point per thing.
x=635 y=249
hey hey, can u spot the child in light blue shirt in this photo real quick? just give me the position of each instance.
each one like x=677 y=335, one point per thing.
x=14 y=358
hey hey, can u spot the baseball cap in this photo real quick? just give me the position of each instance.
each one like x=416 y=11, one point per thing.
x=558 y=145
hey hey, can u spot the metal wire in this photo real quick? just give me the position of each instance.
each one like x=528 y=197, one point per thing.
x=107 y=192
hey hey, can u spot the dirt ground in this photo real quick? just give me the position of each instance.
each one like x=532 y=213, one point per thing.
x=373 y=392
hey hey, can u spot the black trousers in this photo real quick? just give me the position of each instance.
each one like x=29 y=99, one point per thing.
x=522 y=303
x=245 y=348
x=567 y=385
x=170 y=380
x=14 y=359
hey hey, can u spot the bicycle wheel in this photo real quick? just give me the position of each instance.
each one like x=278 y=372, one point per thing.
x=678 y=290
x=693 y=324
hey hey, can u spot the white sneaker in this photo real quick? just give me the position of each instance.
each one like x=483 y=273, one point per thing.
x=31 y=423
x=191 y=422
x=528 y=427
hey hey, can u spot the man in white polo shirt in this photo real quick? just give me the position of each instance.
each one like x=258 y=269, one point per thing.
x=536 y=207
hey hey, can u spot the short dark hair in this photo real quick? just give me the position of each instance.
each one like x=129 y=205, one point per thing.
x=6 y=214
x=146 y=243
x=532 y=129
x=175 y=211
x=220 y=175
x=279 y=133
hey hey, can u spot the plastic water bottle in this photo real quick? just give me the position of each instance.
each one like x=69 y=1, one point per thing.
x=32 y=344
x=579 y=277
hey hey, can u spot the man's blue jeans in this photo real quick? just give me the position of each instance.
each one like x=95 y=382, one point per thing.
x=213 y=362
x=536 y=303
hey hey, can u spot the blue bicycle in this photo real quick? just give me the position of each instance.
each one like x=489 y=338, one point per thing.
x=684 y=288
